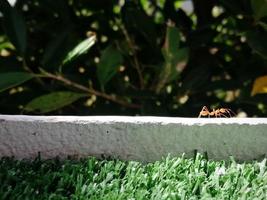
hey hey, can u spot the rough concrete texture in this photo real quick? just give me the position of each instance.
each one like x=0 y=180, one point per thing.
x=132 y=138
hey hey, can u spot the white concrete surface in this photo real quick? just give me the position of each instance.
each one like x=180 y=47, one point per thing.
x=132 y=138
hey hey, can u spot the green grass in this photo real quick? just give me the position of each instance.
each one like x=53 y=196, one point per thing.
x=177 y=178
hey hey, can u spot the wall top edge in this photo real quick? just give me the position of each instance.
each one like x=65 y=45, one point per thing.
x=133 y=119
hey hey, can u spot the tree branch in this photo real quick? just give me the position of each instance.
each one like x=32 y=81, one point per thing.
x=89 y=90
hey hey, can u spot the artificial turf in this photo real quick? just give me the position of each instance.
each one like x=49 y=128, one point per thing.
x=171 y=178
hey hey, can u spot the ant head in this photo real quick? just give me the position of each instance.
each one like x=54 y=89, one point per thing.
x=205 y=108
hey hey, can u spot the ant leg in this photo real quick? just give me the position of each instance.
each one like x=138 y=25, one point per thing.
x=230 y=111
x=224 y=115
x=200 y=113
x=220 y=115
x=214 y=113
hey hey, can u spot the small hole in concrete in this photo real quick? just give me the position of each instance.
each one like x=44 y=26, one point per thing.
x=34 y=133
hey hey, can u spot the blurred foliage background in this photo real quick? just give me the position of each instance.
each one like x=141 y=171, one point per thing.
x=135 y=57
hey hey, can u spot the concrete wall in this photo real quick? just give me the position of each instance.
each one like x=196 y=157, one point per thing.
x=132 y=138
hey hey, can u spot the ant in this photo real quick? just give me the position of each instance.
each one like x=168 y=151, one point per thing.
x=221 y=112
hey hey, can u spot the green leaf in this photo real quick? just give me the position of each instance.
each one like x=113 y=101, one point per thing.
x=175 y=58
x=172 y=42
x=110 y=61
x=14 y=26
x=12 y=79
x=5 y=43
x=53 y=101
x=80 y=49
x=259 y=8
x=179 y=62
x=258 y=42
